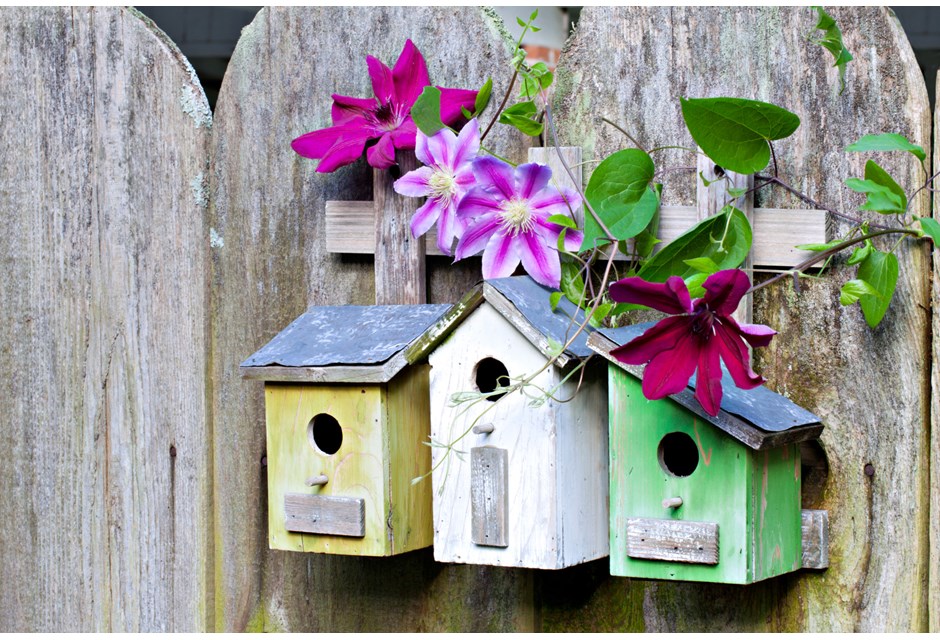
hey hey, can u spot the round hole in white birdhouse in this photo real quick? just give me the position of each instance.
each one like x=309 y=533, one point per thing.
x=325 y=434
x=488 y=375
x=678 y=454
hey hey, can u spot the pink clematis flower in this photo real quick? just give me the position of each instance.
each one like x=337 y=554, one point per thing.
x=507 y=218
x=696 y=337
x=386 y=117
x=445 y=180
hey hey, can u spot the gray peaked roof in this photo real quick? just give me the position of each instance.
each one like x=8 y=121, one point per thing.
x=759 y=417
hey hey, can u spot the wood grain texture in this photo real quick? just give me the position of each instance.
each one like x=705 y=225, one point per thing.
x=326 y=515
x=933 y=572
x=815 y=534
x=672 y=540
x=399 y=259
x=105 y=508
x=489 y=498
x=268 y=206
x=875 y=406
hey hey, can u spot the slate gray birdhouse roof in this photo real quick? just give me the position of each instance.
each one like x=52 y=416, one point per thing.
x=759 y=418
x=525 y=304
x=350 y=343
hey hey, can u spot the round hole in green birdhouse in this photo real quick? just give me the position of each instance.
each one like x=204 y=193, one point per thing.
x=325 y=434
x=678 y=455
x=489 y=374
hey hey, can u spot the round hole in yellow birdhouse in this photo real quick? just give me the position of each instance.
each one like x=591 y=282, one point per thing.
x=325 y=434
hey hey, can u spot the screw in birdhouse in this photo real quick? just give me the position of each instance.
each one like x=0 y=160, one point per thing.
x=317 y=481
x=672 y=503
x=264 y=460
x=172 y=450
x=869 y=470
x=483 y=428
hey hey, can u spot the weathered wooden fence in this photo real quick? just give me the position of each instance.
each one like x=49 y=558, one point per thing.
x=149 y=248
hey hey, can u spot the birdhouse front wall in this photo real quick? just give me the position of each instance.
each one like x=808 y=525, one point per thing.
x=740 y=509
x=382 y=428
x=527 y=494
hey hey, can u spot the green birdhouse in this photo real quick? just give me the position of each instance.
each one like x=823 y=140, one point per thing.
x=702 y=498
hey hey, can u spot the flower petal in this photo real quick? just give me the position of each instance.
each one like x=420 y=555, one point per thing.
x=669 y=297
x=669 y=370
x=345 y=108
x=757 y=335
x=421 y=148
x=737 y=359
x=345 y=151
x=477 y=202
x=539 y=261
x=495 y=175
x=425 y=217
x=381 y=75
x=531 y=178
x=477 y=236
x=724 y=290
x=316 y=144
x=468 y=144
x=451 y=102
x=550 y=232
x=501 y=256
x=708 y=381
x=442 y=146
x=403 y=137
x=449 y=228
x=410 y=75
x=551 y=201
x=414 y=183
x=382 y=154
x=662 y=336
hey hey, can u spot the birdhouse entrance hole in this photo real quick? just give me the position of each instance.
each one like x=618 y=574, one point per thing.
x=325 y=434
x=489 y=374
x=678 y=454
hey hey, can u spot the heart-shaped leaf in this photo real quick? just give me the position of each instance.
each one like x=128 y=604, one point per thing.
x=735 y=132
x=853 y=290
x=620 y=194
x=880 y=270
x=884 y=194
x=930 y=227
x=724 y=238
x=426 y=111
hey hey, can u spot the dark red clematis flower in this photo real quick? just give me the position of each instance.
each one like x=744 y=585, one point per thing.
x=386 y=117
x=695 y=338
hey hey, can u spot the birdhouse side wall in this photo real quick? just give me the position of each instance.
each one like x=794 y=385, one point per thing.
x=582 y=469
x=774 y=512
x=523 y=505
x=356 y=470
x=716 y=492
x=409 y=457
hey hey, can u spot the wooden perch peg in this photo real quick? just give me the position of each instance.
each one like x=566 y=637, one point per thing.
x=483 y=428
x=672 y=503
x=318 y=481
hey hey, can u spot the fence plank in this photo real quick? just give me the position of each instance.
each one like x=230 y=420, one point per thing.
x=269 y=213
x=933 y=572
x=104 y=512
x=867 y=385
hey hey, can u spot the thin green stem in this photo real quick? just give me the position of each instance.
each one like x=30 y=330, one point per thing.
x=626 y=133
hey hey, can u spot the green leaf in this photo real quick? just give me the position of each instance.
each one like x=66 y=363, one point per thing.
x=554 y=299
x=466 y=112
x=887 y=142
x=705 y=265
x=619 y=192
x=725 y=238
x=483 y=97
x=534 y=15
x=645 y=241
x=832 y=42
x=931 y=227
x=859 y=254
x=737 y=192
x=817 y=247
x=853 y=290
x=572 y=284
x=563 y=220
x=426 y=111
x=520 y=116
x=880 y=270
x=884 y=194
x=694 y=284
x=602 y=311
x=520 y=22
x=735 y=132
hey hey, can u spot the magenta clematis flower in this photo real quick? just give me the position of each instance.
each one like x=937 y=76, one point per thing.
x=386 y=117
x=445 y=180
x=697 y=337
x=507 y=218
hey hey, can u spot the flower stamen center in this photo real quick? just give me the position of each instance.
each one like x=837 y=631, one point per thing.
x=517 y=216
x=388 y=117
x=443 y=185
